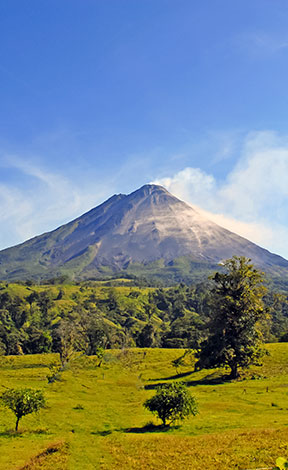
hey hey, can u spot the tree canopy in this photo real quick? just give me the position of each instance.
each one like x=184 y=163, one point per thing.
x=236 y=310
x=172 y=402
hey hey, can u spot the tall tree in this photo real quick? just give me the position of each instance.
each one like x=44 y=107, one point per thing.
x=236 y=309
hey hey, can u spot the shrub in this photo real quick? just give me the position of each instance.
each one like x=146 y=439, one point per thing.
x=172 y=402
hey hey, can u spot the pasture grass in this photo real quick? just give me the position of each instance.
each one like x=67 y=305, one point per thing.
x=95 y=417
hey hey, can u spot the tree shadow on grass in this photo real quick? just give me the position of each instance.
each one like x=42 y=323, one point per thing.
x=9 y=433
x=150 y=428
x=21 y=432
x=147 y=428
x=176 y=376
x=210 y=379
x=103 y=433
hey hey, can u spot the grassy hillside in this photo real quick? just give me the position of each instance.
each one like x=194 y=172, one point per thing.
x=95 y=419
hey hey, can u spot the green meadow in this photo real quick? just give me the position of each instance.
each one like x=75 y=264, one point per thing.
x=95 y=419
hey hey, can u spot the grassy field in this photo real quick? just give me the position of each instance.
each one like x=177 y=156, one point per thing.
x=95 y=417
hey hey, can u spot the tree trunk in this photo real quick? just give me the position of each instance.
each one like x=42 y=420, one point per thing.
x=234 y=371
x=17 y=422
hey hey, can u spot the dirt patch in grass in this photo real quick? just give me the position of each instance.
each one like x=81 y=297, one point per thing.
x=54 y=457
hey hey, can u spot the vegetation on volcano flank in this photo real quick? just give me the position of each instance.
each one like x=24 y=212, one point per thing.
x=70 y=318
x=236 y=310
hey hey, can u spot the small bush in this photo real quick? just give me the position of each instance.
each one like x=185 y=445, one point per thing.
x=55 y=372
x=172 y=402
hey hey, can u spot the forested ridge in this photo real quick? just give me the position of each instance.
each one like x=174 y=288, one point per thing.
x=41 y=318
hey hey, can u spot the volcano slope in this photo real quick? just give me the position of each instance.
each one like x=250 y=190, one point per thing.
x=148 y=232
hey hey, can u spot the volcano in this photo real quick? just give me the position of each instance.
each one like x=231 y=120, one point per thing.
x=147 y=231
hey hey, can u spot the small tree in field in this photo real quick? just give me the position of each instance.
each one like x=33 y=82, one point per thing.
x=236 y=312
x=172 y=402
x=23 y=401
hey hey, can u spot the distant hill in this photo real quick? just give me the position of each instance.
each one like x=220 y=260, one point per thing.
x=146 y=233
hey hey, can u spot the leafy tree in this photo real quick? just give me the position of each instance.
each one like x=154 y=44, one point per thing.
x=66 y=340
x=38 y=341
x=146 y=337
x=172 y=402
x=33 y=297
x=16 y=308
x=5 y=300
x=99 y=353
x=236 y=310
x=55 y=372
x=179 y=299
x=92 y=332
x=278 y=306
x=45 y=303
x=23 y=401
x=112 y=299
x=10 y=337
x=160 y=298
x=185 y=332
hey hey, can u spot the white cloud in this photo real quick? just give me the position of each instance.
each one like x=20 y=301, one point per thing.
x=253 y=199
x=192 y=184
x=40 y=203
x=257 y=187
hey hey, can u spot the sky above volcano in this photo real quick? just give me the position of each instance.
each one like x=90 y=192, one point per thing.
x=102 y=96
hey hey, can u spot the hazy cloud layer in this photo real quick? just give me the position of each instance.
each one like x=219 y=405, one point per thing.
x=253 y=198
x=37 y=200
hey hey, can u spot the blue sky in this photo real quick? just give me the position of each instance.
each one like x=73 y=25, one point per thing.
x=102 y=96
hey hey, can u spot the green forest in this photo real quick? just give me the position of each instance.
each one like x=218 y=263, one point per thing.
x=64 y=316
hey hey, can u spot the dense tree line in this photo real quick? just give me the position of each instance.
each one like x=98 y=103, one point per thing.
x=57 y=318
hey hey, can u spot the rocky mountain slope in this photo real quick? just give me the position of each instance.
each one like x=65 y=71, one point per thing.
x=147 y=231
